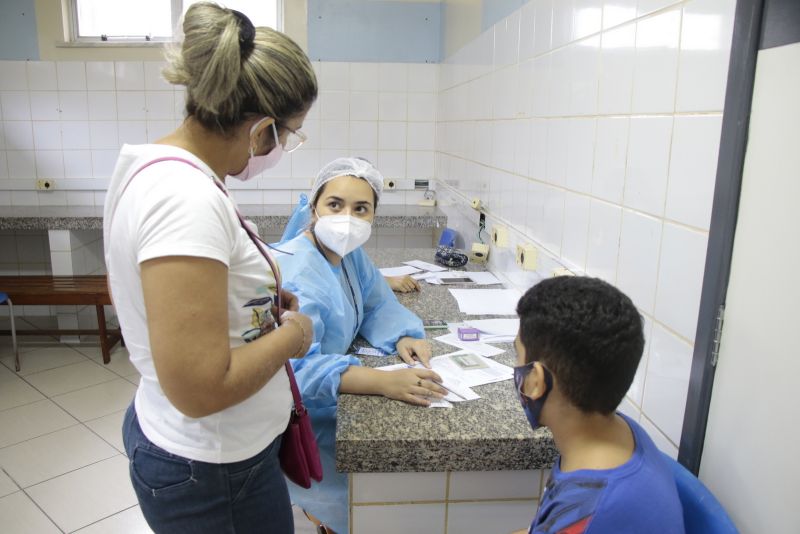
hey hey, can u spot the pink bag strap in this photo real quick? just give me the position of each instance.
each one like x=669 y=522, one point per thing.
x=299 y=408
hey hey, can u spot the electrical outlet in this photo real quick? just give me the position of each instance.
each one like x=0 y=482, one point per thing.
x=45 y=184
x=389 y=184
x=500 y=236
x=527 y=256
x=562 y=271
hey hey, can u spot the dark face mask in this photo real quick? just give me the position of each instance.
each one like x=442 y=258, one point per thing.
x=532 y=407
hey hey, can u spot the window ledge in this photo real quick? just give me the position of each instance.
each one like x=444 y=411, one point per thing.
x=111 y=44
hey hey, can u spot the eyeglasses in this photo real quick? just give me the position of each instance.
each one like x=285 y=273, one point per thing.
x=294 y=139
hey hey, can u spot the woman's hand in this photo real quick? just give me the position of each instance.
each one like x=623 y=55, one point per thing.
x=304 y=327
x=402 y=284
x=409 y=347
x=289 y=301
x=414 y=386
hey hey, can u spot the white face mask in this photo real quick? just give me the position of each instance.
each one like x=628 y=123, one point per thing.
x=258 y=164
x=342 y=234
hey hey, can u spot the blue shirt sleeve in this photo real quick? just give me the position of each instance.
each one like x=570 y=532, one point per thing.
x=385 y=319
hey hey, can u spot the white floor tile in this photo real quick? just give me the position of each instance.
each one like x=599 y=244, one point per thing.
x=32 y=420
x=97 y=401
x=7 y=486
x=70 y=378
x=87 y=495
x=109 y=427
x=14 y=391
x=120 y=361
x=42 y=359
x=51 y=455
x=21 y=516
x=130 y=521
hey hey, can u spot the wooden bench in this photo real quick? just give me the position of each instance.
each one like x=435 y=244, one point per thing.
x=88 y=290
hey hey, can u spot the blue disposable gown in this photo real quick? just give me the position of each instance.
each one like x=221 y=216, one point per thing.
x=324 y=295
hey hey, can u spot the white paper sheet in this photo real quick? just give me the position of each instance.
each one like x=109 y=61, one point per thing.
x=450 y=380
x=425 y=266
x=424 y=276
x=487 y=301
x=398 y=271
x=475 y=347
x=483 y=278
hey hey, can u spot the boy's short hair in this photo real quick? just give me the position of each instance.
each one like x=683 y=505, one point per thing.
x=588 y=334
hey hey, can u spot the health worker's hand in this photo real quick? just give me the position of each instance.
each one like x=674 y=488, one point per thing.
x=403 y=284
x=414 y=386
x=410 y=347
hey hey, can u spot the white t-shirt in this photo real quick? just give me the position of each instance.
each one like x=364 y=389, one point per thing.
x=173 y=209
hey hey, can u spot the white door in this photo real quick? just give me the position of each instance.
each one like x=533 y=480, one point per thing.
x=751 y=455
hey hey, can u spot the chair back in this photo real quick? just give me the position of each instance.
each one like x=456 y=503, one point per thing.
x=702 y=512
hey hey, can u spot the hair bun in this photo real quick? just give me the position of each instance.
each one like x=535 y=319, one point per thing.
x=247 y=34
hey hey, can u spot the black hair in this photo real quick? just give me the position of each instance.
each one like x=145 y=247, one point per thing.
x=588 y=334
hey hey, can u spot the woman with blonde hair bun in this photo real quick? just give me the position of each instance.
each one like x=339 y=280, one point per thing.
x=198 y=295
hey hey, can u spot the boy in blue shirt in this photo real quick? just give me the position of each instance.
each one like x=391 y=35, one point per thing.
x=579 y=345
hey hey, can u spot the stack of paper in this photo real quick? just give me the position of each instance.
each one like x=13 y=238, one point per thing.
x=425 y=266
x=487 y=301
x=398 y=271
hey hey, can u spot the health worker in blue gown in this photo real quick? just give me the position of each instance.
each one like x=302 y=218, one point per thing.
x=344 y=294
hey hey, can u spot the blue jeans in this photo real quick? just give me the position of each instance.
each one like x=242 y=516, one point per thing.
x=178 y=495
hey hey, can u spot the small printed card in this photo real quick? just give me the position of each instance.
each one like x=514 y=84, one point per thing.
x=469 y=361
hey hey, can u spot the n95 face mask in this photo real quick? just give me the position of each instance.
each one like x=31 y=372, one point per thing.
x=342 y=234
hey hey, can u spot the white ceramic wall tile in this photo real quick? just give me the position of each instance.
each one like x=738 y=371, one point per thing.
x=580 y=154
x=77 y=163
x=486 y=485
x=18 y=135
x=648 y=163
x=393 y=77
x=392 y=107
x=3 y=166
x=104 y=134
x=616 y=12
x=42 y=76
x=50 y=164
x=636 y=391
x=506 y=40
x=131 y=105
x=103 y=162
x=153 y=80
x=553 y=214
x=392 y=163
x=604 y=230
x=100 y=76
x=392 y=135
x=13 y=76
x=160 y=105
x=363 y=106
x=556 y=163
x=692 y=169
x=706 y=33
x=75 y=135
x=334 y=76
x=423 y=77
x=667 y=382
x=398 y=519
x=610 y=157
x=617 y=57
x=559 y=81
x=22 y=165
x=102 y=105
x=364 y=135
x=24 y=198
x=645 y=7
x=480 y=518
x=71 y=75
x=562 y=22
x=656 y=64
x=129 y=75
x=47 y=135
x=16 y=105
x=584 y=76
x=363 y=77
x=80 y=198
x=44 y=106
x=587 y=18
x=398 y=487
x=659 y=438
x=628 y=408
x=334 y=134
x=420 y=164
x=543 y=26
x=73 y=105
x=576 y=230
x=680 y=278
x=637 y=268
x=132 y=132
x=305 y=163
x=527 y=26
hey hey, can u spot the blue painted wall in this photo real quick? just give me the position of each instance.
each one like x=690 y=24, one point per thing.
x=494 y=11
x=18 y=37
x=364 y=30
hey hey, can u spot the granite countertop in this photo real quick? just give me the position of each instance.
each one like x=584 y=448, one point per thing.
x=376 y=434
x=267 y=217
